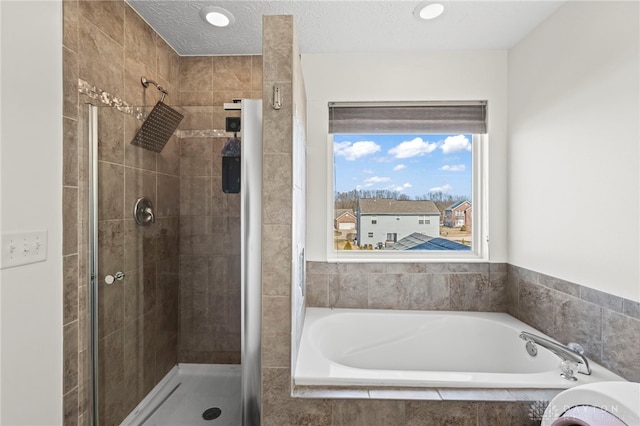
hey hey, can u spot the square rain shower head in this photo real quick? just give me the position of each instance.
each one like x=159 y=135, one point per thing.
x=157 y=129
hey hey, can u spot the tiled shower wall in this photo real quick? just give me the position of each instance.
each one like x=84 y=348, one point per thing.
x=210 y=313
x=107 y=45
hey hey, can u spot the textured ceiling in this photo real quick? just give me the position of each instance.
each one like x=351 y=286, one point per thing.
x=325 y=26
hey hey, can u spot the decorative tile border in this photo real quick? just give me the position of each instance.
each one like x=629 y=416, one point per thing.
x=107 y=98
x=208 y=133
x=121 y=105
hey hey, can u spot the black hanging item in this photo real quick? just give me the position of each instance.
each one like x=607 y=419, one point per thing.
x=231 y=166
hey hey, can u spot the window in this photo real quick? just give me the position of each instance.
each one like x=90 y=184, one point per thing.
x=415 y=161
x=424 y=221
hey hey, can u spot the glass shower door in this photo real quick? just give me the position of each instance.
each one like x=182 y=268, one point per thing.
x=133 y=227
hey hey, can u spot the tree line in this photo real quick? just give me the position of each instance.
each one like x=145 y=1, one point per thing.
x=349 y=199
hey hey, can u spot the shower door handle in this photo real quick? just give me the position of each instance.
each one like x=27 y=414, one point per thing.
x=110 y=279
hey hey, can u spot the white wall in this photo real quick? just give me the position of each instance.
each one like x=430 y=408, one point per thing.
x=403 y=77
x=31 y=193
x=573 y=147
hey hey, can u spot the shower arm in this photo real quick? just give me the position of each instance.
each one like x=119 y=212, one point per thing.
x=145 y=83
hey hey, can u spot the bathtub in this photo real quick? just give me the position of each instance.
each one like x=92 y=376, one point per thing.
x=433 y=349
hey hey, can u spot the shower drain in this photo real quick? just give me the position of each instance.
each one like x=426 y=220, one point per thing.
x=211 y=413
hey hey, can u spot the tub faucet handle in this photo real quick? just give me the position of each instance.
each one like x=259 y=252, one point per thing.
x=576 y=347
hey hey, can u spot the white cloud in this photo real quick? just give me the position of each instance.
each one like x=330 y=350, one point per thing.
x=400 y=188
x=399 y=167
x=376 y=179
x=353 y=151
x=443 y=188
x=368 y=172
x=413 y=148
x=454 y=168
x=454 y=144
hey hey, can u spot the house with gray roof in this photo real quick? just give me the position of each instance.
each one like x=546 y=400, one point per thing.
x=382 y=222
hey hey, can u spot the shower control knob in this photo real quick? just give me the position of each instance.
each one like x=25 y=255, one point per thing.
x=110 y=279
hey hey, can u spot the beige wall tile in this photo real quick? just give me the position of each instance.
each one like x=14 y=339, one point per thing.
x=70 y=83
x=70 y=293
x=196 y=74
x=70 y=220
x=231 y=72
x=71 y=15
x=96 y=59
x=140 y=40
x=106 y=15
x=70 y=154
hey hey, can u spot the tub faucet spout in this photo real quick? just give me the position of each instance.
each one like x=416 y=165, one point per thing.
x=563 y=352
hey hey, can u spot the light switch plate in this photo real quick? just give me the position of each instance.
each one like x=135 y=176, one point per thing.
x=23 y=248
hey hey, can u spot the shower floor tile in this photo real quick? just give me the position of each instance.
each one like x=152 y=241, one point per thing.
x=194 y=389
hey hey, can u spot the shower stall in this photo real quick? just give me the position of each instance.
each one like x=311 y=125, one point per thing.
x=174 y=264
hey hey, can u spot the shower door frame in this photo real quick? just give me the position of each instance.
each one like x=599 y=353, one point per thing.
x=92 y=146
x=251 y=259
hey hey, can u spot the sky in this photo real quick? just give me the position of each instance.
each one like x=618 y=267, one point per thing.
x=413 y=164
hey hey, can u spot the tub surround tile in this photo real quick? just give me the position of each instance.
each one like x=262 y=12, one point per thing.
x=470 y=292
x=536 y=306
x=497 y=414
x=534 y=394
x=406 y=394
x=498 y=267
x=631 y=308
x=461 y=394
x=317 y=290
x=404 y=268
x=279 y=409
x=621 y=345
x=276 y=270
x=329 y=393
x=348 y=290
x=346 y=412
x=608 y=301
x=559 y=285
x=578 y=321
x=448 y=413
x=580 y=314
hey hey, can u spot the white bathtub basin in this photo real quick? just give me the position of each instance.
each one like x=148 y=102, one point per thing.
x=359 y=347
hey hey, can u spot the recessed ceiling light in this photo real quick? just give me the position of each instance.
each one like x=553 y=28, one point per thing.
x=429 y=10
x=217 y=16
